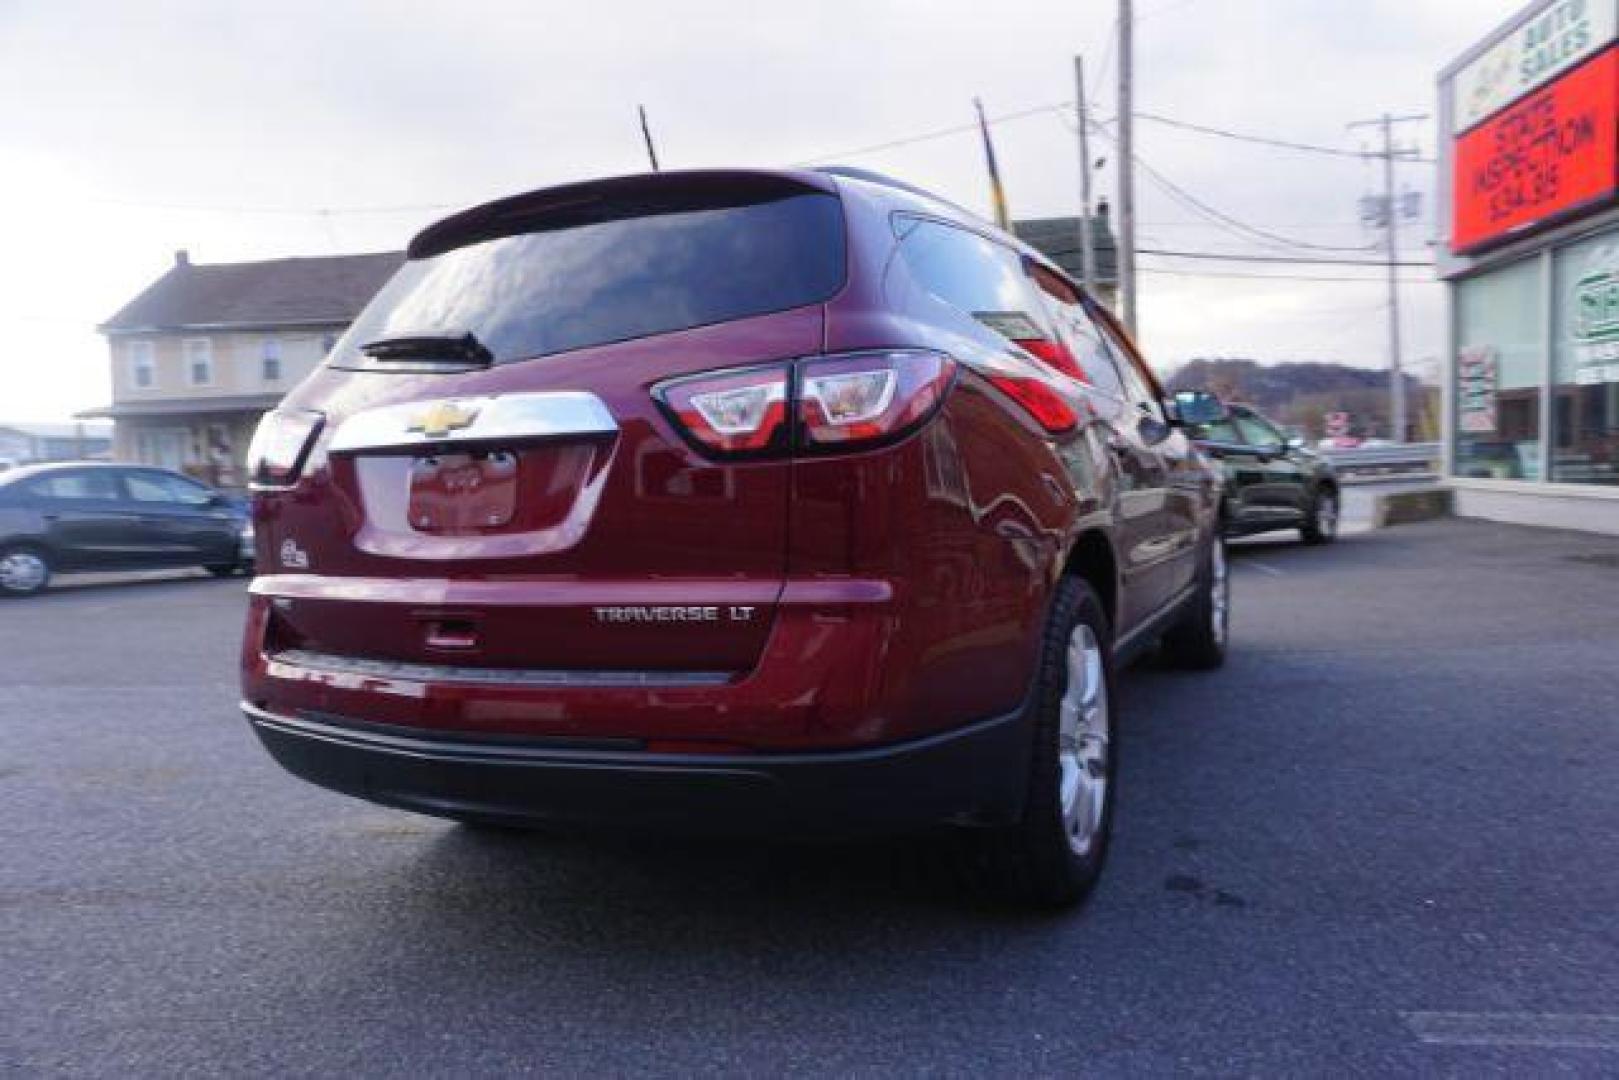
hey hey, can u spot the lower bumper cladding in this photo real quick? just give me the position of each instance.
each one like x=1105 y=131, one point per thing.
x=970 y=775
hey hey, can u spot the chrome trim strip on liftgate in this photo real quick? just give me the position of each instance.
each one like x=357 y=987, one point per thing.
x=503 y=418
x=492 y=676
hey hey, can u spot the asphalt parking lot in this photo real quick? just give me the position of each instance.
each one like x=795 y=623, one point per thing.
x=1385 y=838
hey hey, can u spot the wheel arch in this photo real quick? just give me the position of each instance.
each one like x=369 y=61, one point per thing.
x=30 y=543
x=1092 y=559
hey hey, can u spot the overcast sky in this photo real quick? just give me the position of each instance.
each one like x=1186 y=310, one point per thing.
x=245 y=131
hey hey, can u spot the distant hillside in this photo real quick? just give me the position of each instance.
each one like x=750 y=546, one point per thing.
x=1301 y=394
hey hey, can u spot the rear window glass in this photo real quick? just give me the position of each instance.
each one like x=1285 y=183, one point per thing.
x=548 y=292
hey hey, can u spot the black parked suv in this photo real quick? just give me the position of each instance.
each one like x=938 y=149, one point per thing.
x=98 y=516
x=1271 y=481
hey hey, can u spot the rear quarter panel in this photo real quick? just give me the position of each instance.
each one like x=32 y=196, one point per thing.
x=971 y=518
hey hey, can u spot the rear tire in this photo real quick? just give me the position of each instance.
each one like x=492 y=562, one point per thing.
x=1199 y=641
x=25 y=570
x=1321 y=522
x=1053 y=857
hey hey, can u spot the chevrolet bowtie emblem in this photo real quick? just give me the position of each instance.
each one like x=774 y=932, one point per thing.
x=442 y=419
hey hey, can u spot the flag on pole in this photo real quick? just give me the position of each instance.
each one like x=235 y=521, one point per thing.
x=997 y=193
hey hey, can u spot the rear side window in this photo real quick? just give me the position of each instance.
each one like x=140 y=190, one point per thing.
x=1137 y=386
x=1078 y=332
x=973 y=275
x=79 y=485
x=539 y=293
x=162 y=488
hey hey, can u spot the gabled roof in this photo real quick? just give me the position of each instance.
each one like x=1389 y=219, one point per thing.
x=278 y=292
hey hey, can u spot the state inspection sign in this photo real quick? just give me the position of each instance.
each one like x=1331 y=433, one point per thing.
x=1552 y=153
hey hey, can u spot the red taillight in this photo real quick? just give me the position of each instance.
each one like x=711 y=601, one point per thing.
x=733 y=412
x=863 y=397
x=1056 y=355
x=280 y=444
x=1040 y=401
x=843 y=402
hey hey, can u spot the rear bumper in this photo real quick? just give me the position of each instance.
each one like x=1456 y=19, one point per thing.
x=971 y=775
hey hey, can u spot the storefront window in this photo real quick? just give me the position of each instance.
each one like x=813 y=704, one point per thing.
x=1585 y=363
x=1500 y=353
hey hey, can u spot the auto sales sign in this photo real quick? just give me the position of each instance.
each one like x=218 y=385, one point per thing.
x=1547 y=44
x=1551 y=153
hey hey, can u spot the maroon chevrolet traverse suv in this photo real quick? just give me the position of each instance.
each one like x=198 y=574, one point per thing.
x=798 y=501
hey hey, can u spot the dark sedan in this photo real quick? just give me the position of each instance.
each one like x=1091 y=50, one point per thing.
x=1271 y=481
x=97 y=516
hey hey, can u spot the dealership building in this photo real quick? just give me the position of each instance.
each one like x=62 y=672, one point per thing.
x=1529 y=249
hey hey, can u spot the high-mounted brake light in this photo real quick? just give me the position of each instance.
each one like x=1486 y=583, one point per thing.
x=867 y=396
x=1049 y=409
x=280 y=447
x=735 y=412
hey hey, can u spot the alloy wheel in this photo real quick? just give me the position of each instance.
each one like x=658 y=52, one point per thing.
x=1326 y=513
x=1084 y=730
x=22 y=571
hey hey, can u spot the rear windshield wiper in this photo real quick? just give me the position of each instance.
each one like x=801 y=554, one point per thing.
x=458 y=346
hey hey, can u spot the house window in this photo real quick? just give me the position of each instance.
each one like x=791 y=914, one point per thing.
x=142 y=368
x=270 y=360
x=199 y=361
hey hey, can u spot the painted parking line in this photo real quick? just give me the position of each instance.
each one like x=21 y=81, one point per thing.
x=1263 y=568
x=1590 y=1031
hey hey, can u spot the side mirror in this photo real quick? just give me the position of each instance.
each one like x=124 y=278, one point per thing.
x=1196 y=408
x=1296 y=442
x=1153 y=430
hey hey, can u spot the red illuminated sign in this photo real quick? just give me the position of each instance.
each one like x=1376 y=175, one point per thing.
x=1556 y=150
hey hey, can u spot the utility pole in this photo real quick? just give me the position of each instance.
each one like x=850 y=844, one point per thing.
x=1391 y=237
x=1087 y=247
x=1127 y=165
x=646 y=133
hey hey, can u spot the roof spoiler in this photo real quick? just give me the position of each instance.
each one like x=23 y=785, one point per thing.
x=612 y=199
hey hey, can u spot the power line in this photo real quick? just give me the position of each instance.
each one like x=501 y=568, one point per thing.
x=1221 y=256
x=1305 y=260
x=1235 y=225
x=1284 y=144
x=1107 y=57
x=927 y=136
x=1164 y=271
x=1164 y=9
x=1059 y=108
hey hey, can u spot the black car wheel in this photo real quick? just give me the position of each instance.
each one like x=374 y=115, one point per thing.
x=24 y=570
x=1053 y=857
x=1321 y=522
x=1199 y=641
